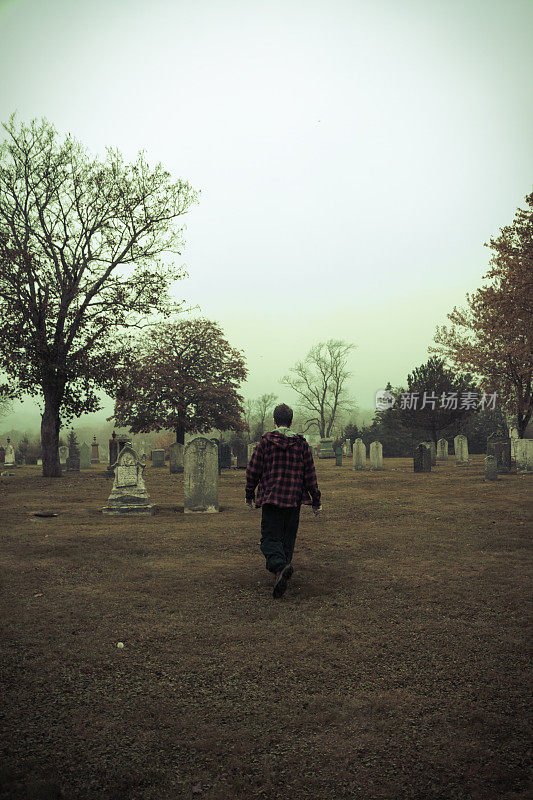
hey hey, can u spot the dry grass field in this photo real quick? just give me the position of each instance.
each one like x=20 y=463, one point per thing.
x=394 y=667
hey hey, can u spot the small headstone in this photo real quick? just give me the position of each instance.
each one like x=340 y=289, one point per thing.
x=200 y=463
x=176 y=458
x=376 y=455
x=491 y=468
x=514 y=436
x=128 y=495
x=95 y=456
x=326 y=449
x=500 y=448
x=158 y=458
x=225 y=455
x=348 y=447
x=460 y=445
x=442 y=450
x=422 y=458
x=338 y=456
x=63 y=454
x=85 y=456
x=39 y=462
x=2 y=455
x=10 y=454
x=433 y=451
x=241 y=453
x=359 y=454
x=524 y=456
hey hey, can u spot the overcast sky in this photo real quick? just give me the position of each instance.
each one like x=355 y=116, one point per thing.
x=353 y=155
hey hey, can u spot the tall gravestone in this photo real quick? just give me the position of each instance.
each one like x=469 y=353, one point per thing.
x=158 y=458
x=376 y=455
x=2 y=455
x=348 y=447
x=95 y=455
x=225 y=455
x=128 y=495
x=359 y=454
x=422 y=458
x=240 y=450
x=514 y=436
x=460 y=445
x=326 y=449
x=85 y=456
x=250 y=450
x=442 y=450
x=338 y=456
x=113 y=449
x=200 y=465
x=9 y=458
x=524 y=456
x=63 y=454
x=491 y=468
x=500 y=448
x=432 y=451
x=176 y=458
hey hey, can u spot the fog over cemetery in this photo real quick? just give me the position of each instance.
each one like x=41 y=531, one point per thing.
x=292 y=220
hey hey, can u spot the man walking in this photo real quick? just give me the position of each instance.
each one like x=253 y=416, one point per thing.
x=282 y=468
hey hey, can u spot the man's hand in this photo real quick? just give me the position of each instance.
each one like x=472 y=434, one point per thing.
x=317 y=510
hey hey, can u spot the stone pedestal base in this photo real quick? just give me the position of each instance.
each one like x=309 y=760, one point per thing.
x=131 y=510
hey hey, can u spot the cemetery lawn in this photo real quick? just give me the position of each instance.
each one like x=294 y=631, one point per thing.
x=394 y=668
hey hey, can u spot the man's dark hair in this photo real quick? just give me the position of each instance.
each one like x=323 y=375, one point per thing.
x=283 y=415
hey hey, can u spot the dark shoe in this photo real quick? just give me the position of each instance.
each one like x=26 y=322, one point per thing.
x=290 y=570
x=281 y=581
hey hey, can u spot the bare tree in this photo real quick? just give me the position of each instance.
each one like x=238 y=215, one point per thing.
x=320 y=381
x=264 y=405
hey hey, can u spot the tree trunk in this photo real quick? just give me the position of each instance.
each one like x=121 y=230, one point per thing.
x=50 y=425
x=180 y=433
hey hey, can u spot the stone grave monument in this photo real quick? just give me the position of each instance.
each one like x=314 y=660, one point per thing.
x=9 y=458
x=359 y=454
x=113 y=449
x=442 y=450
x=376 y=455
x=158 y=458
x=63 y=455
x=326 y=449
x=460 y=445
x=2 y=455
x=433 y=452
x=422 y=458
x=500 y=447
x=348 y=447
x=338 y=456
x=85 y=456
x=524 y=456
x=225 y=455
x=240 y=450
x=491 y=468
x=95 y=455
x=128 y=495
x=200 y=480
x=176 y=458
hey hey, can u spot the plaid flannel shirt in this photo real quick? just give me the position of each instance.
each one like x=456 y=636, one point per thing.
x=282 y=468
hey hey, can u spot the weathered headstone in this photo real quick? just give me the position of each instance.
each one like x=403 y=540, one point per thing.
x=113 y=449
x=95 y=455
x=460 y=445
x=514 y=436
x=432 y=451
x=63 y=454
x=9 y=458
x=338 y=456
x=39 y=462
x=128 y=495
x=2 y=455
x=442 y=450
x=326 y=449
x=376 y=455
x=422 y=458
x=85 y=456
x=251 y=448
x=176 y=458
x=524 y=456
x=359 y=454
x=241 y=453
x=158 y=458
x=200 y=464
x=491 y=468
x=348 y=447
x=500 y=448
x=225 y=455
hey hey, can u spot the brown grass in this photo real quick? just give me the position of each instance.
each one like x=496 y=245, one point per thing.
x=394 y=668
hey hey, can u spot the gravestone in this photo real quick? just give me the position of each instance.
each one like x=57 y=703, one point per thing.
x=85 y=456
x=95 y=455
x=39 y=462
x=432 y=451
x=524 y=456
x=442 y=450
x=128 y=495
x=2 y=455
x=200 y=465
x=338 y=456
x=326 y=449
x=123 y=440
x=460 y=445
x=359 y=454
x=158 y=458
x=225 y=455
x=240 y=450
x=9 y=457
x=113 y=449
x=348 y=447
x=376 y=455
x=63 y=454
x=251 y=448
x=500 y=448
x=176 y=458
x=422 y=458
x=514 y=436
x=491 y=468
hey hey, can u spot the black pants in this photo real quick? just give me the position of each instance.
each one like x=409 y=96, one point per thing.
x=278 y=535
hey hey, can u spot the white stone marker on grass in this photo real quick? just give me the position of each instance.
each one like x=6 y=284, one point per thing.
x=376 y=455
x=200 y=466
x=359 y=454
